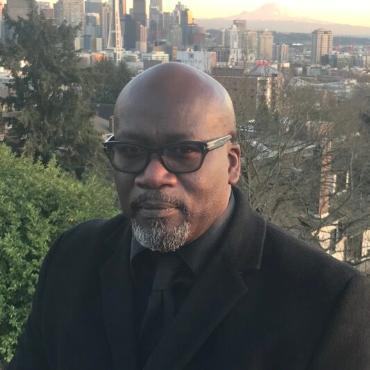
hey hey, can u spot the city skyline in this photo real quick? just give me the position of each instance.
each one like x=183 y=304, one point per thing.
x=356 y=12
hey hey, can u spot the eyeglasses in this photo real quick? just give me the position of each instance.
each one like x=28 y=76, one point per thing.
x=181 y=157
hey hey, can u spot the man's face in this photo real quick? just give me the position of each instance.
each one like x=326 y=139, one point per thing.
x=168 y=210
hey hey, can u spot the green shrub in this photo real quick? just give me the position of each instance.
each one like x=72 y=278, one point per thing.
x=36 y=204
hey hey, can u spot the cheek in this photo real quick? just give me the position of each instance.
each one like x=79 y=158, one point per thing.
x=124 y=184
x=208 y=190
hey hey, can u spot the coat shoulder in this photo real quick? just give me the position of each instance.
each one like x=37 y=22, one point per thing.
x=303 y=264
x=90 y=239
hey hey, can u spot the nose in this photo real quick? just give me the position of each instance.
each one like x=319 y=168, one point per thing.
x=155 y=175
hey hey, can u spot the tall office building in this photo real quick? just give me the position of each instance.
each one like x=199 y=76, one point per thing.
x=1 y=20
x=186 y=17
x=322 y=44
x=252 y=45
x=130 y=33
x=73 y=12
x=157 y=4
x=265 y=43
x=105 y=22
x=139 y=11
x=240 y=24
x=18 y=8
x=238 y=43
x=122 y=8
x=155 y=24
x=281 y=53
x=141 y=38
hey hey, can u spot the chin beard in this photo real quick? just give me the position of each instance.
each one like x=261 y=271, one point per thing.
x=159 y=237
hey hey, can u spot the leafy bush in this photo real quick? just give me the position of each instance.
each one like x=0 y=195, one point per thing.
x=36 y=204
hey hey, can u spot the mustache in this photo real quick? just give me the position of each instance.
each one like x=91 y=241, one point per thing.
x=159 y=197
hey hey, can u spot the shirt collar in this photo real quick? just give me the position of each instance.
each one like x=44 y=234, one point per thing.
x=196 y=253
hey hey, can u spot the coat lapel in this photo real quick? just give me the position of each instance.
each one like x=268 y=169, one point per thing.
x=212 y=297
x=217 y=291
x=117 y=301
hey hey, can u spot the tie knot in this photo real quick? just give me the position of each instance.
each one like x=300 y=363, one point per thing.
x=166 y=266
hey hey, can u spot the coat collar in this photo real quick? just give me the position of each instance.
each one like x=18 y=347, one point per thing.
x=117 y=301
x=219 y=287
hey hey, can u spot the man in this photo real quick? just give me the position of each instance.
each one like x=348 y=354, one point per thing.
x=189 y=278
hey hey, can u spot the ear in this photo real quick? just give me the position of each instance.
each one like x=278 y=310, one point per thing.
x=234 y=163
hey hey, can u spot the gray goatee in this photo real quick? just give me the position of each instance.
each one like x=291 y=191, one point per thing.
x=157 y=236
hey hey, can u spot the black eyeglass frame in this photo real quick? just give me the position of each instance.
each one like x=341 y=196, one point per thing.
x=204 y=148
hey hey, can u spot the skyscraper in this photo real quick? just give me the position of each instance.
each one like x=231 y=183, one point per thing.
x=281 y=53
x=105 y=22
x=74 y=12
x=140 y=11
x=18 y=8
x=1 y=20
x=265 y=42
x=156 y=4
x=122 y=8
x=322 y=44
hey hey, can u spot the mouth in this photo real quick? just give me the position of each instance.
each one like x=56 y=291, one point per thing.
x=155 y=209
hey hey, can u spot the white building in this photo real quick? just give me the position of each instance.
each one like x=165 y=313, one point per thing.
x=202 y=60
x=5 y=78
x=160 y=56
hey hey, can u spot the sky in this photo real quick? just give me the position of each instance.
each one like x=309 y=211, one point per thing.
x=355 y=12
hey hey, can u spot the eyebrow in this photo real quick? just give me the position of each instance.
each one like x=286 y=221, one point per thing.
x=169 y=138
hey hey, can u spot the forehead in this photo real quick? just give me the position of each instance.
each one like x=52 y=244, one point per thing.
x=163 y=122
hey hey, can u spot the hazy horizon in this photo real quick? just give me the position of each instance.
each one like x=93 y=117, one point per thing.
x=356 y=12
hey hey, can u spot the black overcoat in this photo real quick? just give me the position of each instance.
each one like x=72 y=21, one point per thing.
x=265 y=301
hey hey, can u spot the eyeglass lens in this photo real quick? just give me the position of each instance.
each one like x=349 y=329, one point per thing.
x=178 y=158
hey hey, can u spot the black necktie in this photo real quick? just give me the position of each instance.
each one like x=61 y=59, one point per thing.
x=161 y=306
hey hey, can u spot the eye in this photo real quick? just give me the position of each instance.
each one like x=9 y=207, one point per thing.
x=183 y=150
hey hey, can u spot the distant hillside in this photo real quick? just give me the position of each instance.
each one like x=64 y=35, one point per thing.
x=305 y=38
x=275 y=18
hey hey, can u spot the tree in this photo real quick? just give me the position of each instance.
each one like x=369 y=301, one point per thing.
x=37 y=203
x=107 y=80
x=311 y=176
x=54 y=108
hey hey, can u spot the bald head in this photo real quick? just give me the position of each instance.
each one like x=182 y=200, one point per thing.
x=184 y=117
x=173 y=91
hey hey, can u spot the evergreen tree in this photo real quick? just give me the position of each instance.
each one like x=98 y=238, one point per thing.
x=108 y=80
x=49 y=93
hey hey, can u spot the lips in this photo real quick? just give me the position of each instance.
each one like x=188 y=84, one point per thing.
x=155 y=209
x=157 y=205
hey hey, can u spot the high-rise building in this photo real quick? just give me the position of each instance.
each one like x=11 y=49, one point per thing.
x=238 y=43
x=240 y=24
x=225 y=38
x=322 y=44
x=265 y=43
x=155 y=24
x=122 y=8
x=157 y=4
x=74 y=12
x=281 y=53
x=252 y=45
x=18 y=8
x=141 y=38
x=1 y=20
x=45 y=8
x=186 y=17
x=105 y=22
x=130 y=33
x=139 y=11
